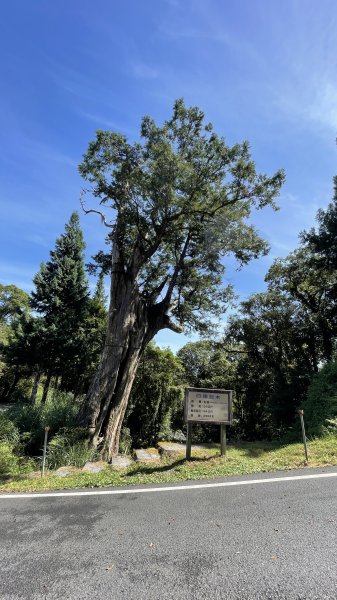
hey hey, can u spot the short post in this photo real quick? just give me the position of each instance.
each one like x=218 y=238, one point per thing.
x=301 y=413
x=189 y=441
x=223 y=439
x=45 y=449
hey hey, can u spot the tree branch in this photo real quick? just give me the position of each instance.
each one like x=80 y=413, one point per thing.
x=91 y=210
x=168 y=324
x=175 y=273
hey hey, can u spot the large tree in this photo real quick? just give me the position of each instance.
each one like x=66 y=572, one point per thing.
x=61 y=298
x=180 y=202
x=278 y=359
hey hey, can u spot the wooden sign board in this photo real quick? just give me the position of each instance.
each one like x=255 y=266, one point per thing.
x=208 y=406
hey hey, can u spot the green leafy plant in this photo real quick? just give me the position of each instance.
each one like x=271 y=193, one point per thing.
x=69 y=447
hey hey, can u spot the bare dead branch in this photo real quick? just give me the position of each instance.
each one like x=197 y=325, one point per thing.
x=92 y=210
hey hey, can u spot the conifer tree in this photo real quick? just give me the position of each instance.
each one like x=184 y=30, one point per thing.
x=61 y=297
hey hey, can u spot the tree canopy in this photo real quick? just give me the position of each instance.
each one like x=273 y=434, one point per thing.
x=181 y=199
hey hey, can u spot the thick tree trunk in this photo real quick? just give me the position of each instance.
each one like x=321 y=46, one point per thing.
x=118 y=405
x=127 y=334
x=132 y=323
x=46 y=387
x=35 y=387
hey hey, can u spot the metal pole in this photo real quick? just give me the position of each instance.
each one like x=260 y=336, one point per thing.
x=189 y=441
x=301 y=413
x=45 y=449
x=223 y=439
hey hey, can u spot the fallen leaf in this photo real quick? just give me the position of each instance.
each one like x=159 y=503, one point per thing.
x=274 y=557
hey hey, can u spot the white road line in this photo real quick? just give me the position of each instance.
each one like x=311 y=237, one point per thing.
x=177 y=488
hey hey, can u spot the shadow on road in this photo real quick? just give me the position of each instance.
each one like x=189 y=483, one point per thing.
x=161 y=468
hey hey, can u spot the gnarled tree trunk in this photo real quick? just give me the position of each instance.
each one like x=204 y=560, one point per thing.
x=129 y=331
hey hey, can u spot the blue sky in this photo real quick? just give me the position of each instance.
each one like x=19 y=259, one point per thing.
x=263 y=71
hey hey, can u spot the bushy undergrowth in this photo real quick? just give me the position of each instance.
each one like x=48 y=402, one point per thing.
x=9 y=433
x=11 y=463
x=69 y=447
x=59 y=411
x=22 y=429
x=320 y=408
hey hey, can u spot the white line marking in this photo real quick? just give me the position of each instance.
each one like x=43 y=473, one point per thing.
x=177 y=488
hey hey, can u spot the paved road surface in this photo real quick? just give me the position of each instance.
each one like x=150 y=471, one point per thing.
x=246 y=542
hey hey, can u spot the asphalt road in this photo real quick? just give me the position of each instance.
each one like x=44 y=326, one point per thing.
x=256 y=541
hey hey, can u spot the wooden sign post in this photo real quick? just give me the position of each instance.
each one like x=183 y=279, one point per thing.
x=207 y=406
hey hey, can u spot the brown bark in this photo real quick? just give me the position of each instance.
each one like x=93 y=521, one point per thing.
x=132 y=323
x=46 y=387
x=35 y=387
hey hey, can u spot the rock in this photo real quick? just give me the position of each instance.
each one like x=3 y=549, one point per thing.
x=120 y=462
x=64 y=471
x=148 y=455
x=171 y=449
x=94 y=467
x=179 y=436
x=35 y=475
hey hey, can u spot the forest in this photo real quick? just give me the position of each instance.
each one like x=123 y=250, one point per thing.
x=88 y=366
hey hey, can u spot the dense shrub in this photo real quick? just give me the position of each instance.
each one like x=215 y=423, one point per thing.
x=320 y=408
x=156 y=404
x=11 y=463
x=59 y=411
x=9 y=433
x=69 y=447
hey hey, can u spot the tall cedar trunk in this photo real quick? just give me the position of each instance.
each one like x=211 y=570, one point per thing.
x=131 y=326
x=119 y=404
x=35 y=387
x=127 y=334
x=46 y=387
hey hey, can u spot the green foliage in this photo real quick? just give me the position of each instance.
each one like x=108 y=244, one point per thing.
x=125 y=444
x=276 y=362
x=61 y=299
x=182 y=199
x=11 y=463
x=9 y=433
x=95 y=330
x=14 y=303
x=156 y=404
x=320 y=408
x=60 y=410
x=208 y=364
x=69 y=447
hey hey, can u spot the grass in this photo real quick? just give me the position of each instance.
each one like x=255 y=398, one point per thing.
x=241 y=459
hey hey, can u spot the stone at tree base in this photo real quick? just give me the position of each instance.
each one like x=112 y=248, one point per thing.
x=35 y=474
x=179 y=436
x=171 y=448
x=94 y=467
x=120 y=462
x=148 y=455
x=64 y=471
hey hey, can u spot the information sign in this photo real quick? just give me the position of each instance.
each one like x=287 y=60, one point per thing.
x=208 y=406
